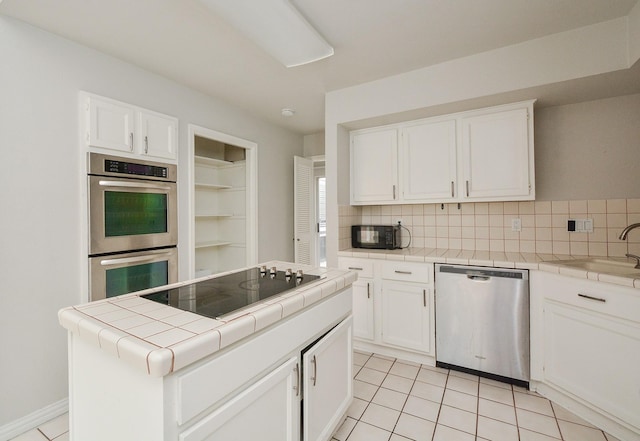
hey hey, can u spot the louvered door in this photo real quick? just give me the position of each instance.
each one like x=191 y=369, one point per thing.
x=304 y=220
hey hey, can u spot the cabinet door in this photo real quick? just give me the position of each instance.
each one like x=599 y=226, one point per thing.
x=268 y=410
x=327 y=383
x=374 y=166
x=595 y=357
x=428 y=156
x=158 y=135
x=405 y=315
x=363 y=309
x=110 y=124
x=496 y=154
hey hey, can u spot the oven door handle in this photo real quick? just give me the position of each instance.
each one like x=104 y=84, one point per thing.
x=134 y=185
x=151 y=255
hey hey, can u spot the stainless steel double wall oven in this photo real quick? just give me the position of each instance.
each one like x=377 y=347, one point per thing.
x=133 y=225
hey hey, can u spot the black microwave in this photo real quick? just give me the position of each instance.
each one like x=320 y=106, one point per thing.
x=382 y=237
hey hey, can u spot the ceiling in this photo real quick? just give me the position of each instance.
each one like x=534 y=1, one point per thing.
x=184 y=41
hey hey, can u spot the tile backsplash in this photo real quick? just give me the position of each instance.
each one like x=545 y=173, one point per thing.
x=486 y=226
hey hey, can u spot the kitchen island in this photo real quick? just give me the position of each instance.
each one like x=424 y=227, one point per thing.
x=140 y=370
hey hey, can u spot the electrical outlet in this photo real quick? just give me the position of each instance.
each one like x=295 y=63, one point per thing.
x=580 y=225
x=516 y=224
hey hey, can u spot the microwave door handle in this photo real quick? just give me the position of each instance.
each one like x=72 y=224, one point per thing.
x=133 y=185
x=120 y=260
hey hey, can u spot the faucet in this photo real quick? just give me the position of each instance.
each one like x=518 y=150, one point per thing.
x=633 y=256
x=623 y=235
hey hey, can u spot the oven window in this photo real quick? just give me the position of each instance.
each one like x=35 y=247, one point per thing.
x=128 y=213
x=137 y=277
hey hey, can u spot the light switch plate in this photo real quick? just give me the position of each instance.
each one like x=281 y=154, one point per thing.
x=516 y=224
x=580 y=225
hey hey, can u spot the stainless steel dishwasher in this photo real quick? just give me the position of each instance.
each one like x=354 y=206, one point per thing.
x=482 y=321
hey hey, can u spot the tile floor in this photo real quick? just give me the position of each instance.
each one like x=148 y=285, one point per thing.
x=396 y=400
x=55 y=430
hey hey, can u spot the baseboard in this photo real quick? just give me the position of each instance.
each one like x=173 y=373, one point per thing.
x=33 y=420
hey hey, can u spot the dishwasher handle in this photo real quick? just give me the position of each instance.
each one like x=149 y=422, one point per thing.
x=477 y=278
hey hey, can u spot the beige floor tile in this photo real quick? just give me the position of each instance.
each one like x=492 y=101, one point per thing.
x=529 y=435
x=538 y=423
x=56 y=427
x=578 y=432
x=497 y=411
x=497 y=394
x=404 y=370
x=364 y=391
x=463 y=385
x=371 y=376
x=399 y=384
x=458 y=419
x=432 y=377
x=460 y=400
x=422 y=408
x=496 y=430
x=360 y=359
x=444 y=433
x=533 y=403
x=380 y=416
x=414 y=428
x=367 y=432
x=565 y=415
x=495 y=383
x=390 y=398
x=464 y=375
x=357 y=408
x=427 y=391
x=379 y=364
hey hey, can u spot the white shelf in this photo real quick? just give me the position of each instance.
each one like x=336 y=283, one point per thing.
x=212 y=186
x=211 y=161
x=212 y=244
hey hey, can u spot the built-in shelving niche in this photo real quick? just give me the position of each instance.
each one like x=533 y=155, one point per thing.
x=220 y=206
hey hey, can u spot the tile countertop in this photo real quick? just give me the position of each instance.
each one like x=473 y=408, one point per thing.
x=159 y=339
x=530 y=261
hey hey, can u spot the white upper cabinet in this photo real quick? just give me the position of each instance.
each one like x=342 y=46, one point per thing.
x=428 y=155
x=498 y=163
x=479 y=155
x=374 y=166
x=131 y=130
x=158 y=134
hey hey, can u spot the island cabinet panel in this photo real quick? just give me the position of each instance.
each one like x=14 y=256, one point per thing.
x=327 y=382
x=585 y=349
x=267 y=410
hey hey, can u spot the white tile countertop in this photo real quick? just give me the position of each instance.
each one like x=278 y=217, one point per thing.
x=530 y=261
x=159 y=339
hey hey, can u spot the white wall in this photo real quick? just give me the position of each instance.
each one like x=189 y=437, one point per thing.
x=41 y=191
x=588 y=150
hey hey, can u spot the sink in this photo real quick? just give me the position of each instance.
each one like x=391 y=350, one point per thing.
x=601 y=265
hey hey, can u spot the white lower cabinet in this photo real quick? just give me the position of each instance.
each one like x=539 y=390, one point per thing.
x=405 y=315
x=586 y=348
x=271 y=401
x=326 y=383
x=393 y=307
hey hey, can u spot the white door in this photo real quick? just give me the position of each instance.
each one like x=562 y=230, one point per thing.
x=110 y=124
x=429 y=161
x=363 y=326
x=327 y=383
x=495 y=150
x=269 y=410
x=374 y=166
x=158 y=135
x=304 y=225
x=405 y=316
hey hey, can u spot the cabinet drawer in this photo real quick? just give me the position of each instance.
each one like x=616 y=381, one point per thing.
x=407 y=272
x=605 y=298
x=363 y=267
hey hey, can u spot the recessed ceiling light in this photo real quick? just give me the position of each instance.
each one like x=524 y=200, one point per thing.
x=287 y=113
x=277 y=26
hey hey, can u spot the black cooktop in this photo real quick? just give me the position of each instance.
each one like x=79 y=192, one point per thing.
x=221 y=295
